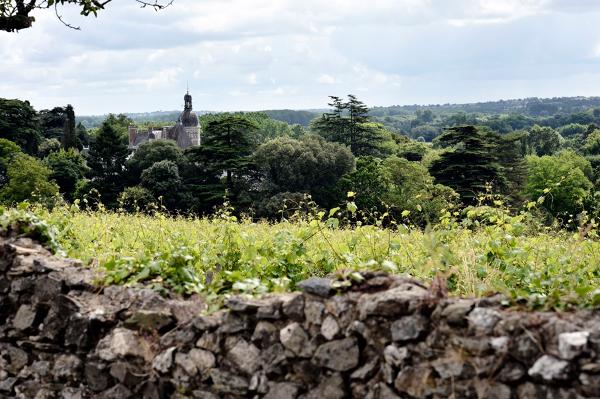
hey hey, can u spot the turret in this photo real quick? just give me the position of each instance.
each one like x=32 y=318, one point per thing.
x=188 y=101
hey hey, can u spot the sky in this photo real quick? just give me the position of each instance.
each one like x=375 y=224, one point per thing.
x=293 y=54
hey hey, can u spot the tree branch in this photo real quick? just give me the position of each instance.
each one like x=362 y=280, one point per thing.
x=14 y=14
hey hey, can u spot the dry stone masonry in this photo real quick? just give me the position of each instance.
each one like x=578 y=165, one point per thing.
x=62 y=336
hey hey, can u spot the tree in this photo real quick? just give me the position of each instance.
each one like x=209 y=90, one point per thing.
x=68 y=167
x=591 y=145
x=19 y=123
x=427 y=132
x=151 y=152
x=70 y=138
x=561 y=180
x=469 y=163
x=162 y=180
x=121 y=122
x=513 y=165
x=348 y=124
x=106 y=159
x=411 y=188
x=227 y=146
x=47 y=147
x=28 y=179
x=572 y=129
x=369 y=181
x=222 y=166
x=413 y=150
x=16 y=14
x=52 y=123
x=82 y=135
x=543 y=141
x=136 y=198
x=308 y=165
x=8 y=149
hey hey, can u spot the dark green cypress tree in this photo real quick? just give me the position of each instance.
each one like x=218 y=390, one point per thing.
x=514 y=167
x=470 y=163
x=70 y=138
x=347 y=124
x=225 y=154
x=106 y=160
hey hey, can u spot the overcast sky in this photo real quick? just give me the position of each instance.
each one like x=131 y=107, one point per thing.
x=274 y=54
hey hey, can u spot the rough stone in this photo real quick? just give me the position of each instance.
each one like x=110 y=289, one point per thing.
x=17 y=359
x=456 y=313
x=313 y=312
x=25 y=318
x=117 y=392
x=244 y=356
x=590 y=384
x=293 y=306
x=395 y=356
x=330 y=388
x=500 y=344
x=121 y=343
x=492 y=390
x=8 y=384
x=204 y=360
x=282 y=390
x=294 y=338
x=511 y=373
x=483 y=320
x=207 y=323
x=96 y=376
x=450 y=367
x=225 y=382
x=366 y=371
x=126 y=374
x=330 y=328
x=317 y=286
x=265 y=334
x=164 y=361
x=47 y=288
x=398 y=301
x=525 y=348
x=549 y=368
x=201 y=394
x=385 y=392
x=409 y=327
x=339 y=355
x=150 y=320
x=414 y=381
x=66 y=367
x=210 y=342
x=573 y=344
x=188 y=365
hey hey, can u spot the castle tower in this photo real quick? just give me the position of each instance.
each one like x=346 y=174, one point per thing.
x=187 y=131
x=132 y=135
x=188 y=101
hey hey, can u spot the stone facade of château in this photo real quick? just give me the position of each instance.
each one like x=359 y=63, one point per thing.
x=186 y=132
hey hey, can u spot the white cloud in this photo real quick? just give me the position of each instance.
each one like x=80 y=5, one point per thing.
x=326 y=79
x=258 y=54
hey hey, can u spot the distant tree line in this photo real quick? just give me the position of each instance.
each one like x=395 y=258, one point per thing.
x=269 y=169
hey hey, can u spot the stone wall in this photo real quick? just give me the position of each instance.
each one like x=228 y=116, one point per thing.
x=63 y=337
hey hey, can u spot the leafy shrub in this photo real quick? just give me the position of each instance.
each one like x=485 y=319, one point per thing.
x=21 y=223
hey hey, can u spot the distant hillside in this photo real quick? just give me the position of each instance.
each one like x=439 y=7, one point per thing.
x=528 y=106
x=292 y=117
x=534 y=107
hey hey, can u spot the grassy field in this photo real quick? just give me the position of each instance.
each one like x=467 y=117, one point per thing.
x=221 y=255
